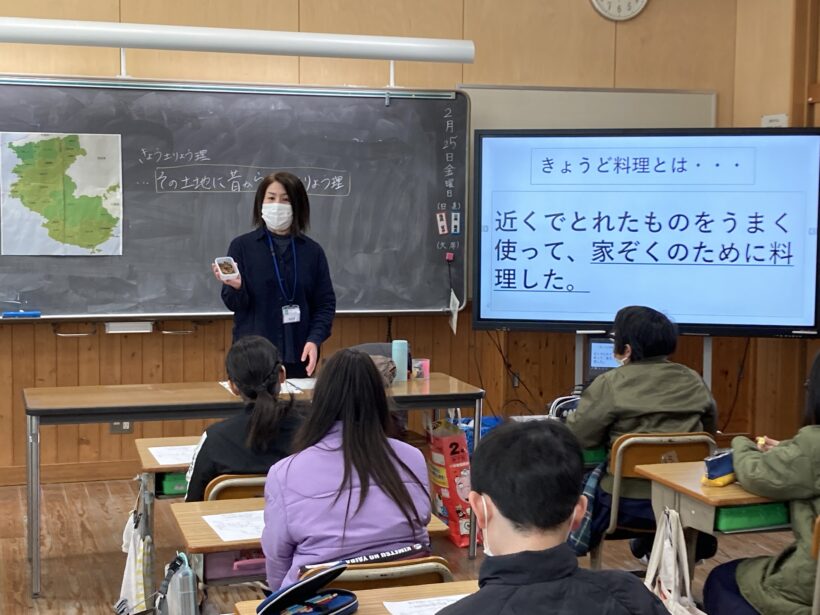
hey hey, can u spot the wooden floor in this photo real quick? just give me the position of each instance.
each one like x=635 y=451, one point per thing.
x=83 y=564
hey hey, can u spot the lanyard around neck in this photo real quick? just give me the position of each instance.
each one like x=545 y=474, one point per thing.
x=276 y=268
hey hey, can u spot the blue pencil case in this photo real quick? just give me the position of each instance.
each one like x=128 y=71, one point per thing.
x=719 y=464
x=307 y=596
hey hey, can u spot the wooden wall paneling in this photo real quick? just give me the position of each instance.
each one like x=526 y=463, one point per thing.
x=111 y=448
x=680 y=45
x=7 y=442
x=417 y=18
x=68 y=375
x=372 y=329
x=152 y=373
x=193 y=368
x=131 y=361
x=804 y=60
x=546 y=365
x=44 y=357
x=422 y=343
x=173 y=369
x=779 y=395
x=764 y=71
x=727 y=366
x=58 y=59
x=88 y=373
x=558 y=43
x=690 y=352
x=280 y=15
x=441 y=350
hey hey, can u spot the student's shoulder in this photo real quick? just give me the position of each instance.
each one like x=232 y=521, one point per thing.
x=227 y=427
x=407 y=452
x=623 y=588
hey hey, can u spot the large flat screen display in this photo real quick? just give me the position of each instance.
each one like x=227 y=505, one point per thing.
x=716 y=228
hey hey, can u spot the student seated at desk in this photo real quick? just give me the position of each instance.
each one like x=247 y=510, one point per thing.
x=250 y=442
x=787 y=470
x=526 y=494
x=647 y=394
x=350 y=490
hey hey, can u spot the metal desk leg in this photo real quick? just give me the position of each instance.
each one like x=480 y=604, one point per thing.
x=690 y=535
x=148 y=495
x=479 y=408
x=33 y=447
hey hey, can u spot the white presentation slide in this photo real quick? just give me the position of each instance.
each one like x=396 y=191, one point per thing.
x=710 y=229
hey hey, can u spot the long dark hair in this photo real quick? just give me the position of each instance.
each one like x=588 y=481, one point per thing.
x=253 y=365
x=811 y=415
x=297 y=195
x=350 y=389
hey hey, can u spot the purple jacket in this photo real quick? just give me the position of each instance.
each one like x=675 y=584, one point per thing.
x=304 y=525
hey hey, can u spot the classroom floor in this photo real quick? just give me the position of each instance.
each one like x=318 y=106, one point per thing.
x=83 y=564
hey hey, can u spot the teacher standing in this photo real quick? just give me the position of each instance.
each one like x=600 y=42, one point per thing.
x=284 y=292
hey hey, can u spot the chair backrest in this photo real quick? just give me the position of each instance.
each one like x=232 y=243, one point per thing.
x=418 y=571
x=235 y=486
x=634 y=449
x=815 y=543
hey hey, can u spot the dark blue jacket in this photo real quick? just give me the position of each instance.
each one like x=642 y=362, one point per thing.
x=551 y=582
x=257 y=305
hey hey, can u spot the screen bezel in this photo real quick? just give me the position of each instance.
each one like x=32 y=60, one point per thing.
x=582 y=326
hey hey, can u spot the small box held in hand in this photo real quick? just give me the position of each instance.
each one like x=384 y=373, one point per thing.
x=227 y=268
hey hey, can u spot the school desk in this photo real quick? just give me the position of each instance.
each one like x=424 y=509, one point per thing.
x=150 y=470
x=677 y=486
x=371 y=601
x=191 y=400
x=199 y=538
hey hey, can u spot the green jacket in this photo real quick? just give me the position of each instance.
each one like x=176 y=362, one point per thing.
x=790 y=471
x=649 y=396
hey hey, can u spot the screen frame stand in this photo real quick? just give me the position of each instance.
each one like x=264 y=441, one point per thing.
x=707 y=361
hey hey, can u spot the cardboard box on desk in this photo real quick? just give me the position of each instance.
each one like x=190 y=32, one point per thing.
x=449 y=469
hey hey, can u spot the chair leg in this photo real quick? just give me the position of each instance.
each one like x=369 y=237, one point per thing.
x=596 y=555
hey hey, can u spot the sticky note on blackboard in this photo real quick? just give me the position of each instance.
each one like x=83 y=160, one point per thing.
x=441 y=218
x=455 y=223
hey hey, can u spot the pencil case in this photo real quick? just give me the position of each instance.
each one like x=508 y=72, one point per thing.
x=719 y=464
x=308 y=596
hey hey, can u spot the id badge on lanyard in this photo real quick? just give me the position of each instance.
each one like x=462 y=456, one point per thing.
x=290 y=314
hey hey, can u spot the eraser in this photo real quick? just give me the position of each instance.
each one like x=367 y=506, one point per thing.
x=449 y=257
x=22 y=314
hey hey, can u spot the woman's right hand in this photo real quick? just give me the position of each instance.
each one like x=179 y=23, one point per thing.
x=235 y=283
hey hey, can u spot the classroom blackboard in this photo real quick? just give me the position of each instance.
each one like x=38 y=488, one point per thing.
x=385 y=171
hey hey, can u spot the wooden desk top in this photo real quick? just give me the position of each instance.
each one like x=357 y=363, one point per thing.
x=98 y=399
x=371 y=601
x=43 y=400
x=685 y=478
x=199 y=537
x=147 y=461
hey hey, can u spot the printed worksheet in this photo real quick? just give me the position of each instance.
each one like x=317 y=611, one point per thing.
x=425 y=606
x=229 y=527
x=173 y=455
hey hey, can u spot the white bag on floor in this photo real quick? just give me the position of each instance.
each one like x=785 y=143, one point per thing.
x=667 y=575
x=132 y=592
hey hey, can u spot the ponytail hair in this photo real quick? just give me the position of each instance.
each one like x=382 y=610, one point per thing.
x=253 y=365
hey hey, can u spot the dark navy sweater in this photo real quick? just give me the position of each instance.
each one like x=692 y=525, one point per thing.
x=257 y=305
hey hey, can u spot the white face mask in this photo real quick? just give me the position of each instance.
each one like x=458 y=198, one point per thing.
x=278 y=217
x=487 y=550
x=623 y=360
